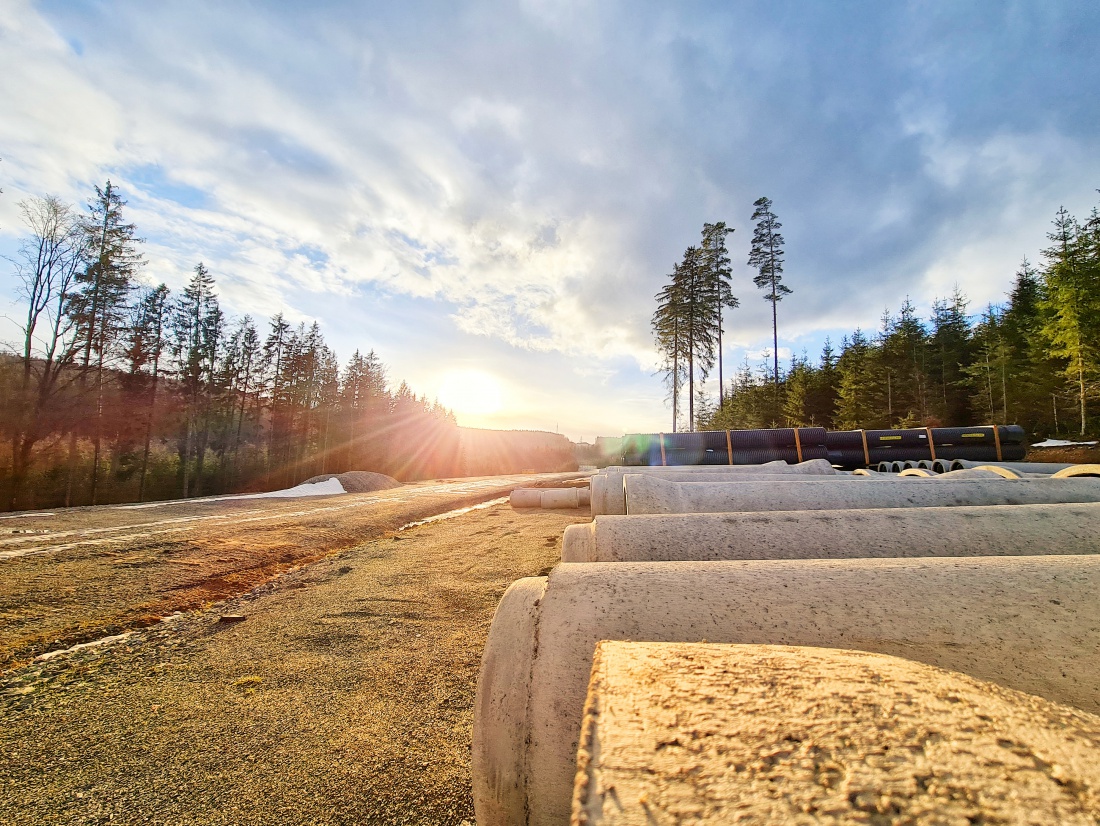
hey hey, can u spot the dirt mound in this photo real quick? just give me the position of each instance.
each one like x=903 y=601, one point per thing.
x=358 y=481
x=1076 y=455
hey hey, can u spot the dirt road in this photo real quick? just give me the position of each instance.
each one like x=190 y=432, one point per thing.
x=86 y=573
x=344 y=696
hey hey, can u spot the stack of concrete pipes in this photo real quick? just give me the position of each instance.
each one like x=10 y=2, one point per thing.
x=992 y=577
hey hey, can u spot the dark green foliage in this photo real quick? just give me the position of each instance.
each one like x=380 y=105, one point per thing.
x=1035 y=361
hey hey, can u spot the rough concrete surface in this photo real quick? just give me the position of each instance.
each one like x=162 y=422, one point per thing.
x=651 y=495
x=1029 y=623
x=1003 y=530
x=607 y=485
x=343 y=694
x=717 y=734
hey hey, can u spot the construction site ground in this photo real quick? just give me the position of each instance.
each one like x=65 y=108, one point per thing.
x=317 y=664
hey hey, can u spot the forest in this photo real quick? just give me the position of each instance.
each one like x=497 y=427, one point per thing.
x=121 y=391
x=1033 y=360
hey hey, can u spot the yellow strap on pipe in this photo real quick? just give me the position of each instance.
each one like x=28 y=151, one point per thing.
x=866 y=452
x=997 y=441
x=663 y=460
x=798 y=445
x=931 y=444
x=729 y=448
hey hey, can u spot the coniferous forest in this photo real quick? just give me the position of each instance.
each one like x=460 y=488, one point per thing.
x=1033 y=360
x=121 y=391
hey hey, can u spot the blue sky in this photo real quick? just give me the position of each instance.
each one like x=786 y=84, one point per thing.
x=505 y=186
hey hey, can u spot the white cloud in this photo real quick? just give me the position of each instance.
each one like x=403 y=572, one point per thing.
x=529 y=172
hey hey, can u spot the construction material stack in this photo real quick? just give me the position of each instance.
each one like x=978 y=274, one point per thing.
x=793 y=641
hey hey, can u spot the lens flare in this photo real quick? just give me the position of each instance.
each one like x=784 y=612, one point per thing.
x=471 y=392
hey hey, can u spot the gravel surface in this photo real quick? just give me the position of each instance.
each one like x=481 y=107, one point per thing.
x=339 y=693
x=85 y=573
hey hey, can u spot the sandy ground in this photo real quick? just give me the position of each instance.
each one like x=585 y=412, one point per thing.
x=345 y=695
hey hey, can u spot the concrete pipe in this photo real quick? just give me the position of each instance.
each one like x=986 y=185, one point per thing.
x=918 y=472
x=1077 y=470
x=549 y=498
x=1006 y=530
x=1021 y=467
x=981 y=472
x=644 y=495
x=561 y=498
x=647 y=703
x=607 y=488
x=525 y=498
x=1026 y=623
x=614 y=498
x=777 y=463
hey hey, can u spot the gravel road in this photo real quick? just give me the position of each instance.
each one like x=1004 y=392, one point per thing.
x=86 y=573
x=344 y=695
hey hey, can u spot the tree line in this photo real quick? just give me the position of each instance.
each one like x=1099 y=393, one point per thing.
x=1033 y=360
x=123 y=391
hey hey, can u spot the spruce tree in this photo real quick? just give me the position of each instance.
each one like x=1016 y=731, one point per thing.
x=1072 y=305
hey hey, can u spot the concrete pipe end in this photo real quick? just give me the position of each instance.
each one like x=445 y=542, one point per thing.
x=578 y=543
x=499 y=749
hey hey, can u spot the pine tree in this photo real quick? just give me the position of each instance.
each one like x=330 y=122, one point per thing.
x=146 y=343
x=766 y=255
x=855 y=403
x=902 y=357
x=950 y=350
x=716 y=262
x=670 y=334
x=1072 y=305
x=799 y=387
x=197 y=325
x=99 y=306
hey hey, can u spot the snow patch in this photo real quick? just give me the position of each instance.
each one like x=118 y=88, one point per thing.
x=1062 y=443
x=325 y=488
x=329 y=487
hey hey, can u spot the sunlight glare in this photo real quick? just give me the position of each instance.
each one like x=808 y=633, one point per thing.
x=470 y=392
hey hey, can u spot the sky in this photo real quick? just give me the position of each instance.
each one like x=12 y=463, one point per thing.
x=490 y=194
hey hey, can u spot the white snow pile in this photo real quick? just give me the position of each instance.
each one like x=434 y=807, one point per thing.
x=1062 y=443
x=325 y=488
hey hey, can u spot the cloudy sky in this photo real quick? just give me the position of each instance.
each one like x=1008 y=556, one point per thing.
x=502 y=187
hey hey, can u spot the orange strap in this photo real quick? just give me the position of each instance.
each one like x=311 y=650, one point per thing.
x=663 y=460
x=729 y=448
x=866 y=452
x=931 y=444
x=798 y=445
x=997 y=441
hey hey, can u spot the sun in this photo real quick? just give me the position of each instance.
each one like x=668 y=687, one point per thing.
x=471 y=392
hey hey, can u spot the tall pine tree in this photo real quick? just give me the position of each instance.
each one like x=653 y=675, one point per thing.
x=766 y=256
